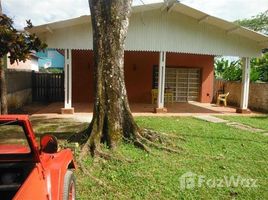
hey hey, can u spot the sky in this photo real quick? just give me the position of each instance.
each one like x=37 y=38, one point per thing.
x=41 y=12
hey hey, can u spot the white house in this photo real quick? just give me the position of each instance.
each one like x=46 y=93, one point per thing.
x=177 y=40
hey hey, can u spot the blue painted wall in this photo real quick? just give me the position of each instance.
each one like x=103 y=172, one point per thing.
x=53 y=57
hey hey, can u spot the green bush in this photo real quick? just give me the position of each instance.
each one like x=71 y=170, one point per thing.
x=261 y=65
x=232 y=71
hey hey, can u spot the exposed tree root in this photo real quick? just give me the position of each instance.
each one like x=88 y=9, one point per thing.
x=111 y=156
x=104 y=155
x=164 y=135
x=80 y=137
x=145 y=139
x=158 y=146
x=158 y=140
x=142 y=146
x=141 y=138
x=138 y=144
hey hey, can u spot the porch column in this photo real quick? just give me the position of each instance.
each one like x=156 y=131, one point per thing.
x=68 y=109
x=245 y=86
x=161 y=83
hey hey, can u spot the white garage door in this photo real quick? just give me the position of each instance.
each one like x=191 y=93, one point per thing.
x=184 y=83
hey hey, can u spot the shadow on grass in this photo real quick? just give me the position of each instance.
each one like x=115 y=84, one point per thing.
x=59 y=135
x=225 y=138
x=260 y=117
x=61 y=128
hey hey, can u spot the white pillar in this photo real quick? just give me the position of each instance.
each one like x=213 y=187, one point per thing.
x=245 y=84
x=161 y=80
x=68 y=79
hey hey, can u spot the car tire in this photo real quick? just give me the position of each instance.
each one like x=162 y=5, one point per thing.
x=69 y=186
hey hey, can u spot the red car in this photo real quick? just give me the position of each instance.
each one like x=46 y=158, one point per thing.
x=28 y=171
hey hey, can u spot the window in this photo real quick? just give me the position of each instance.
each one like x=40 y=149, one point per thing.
x=13 y=139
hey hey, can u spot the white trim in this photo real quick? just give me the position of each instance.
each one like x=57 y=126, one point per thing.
x=68 y=78
x=245 y=83
x=161 y=79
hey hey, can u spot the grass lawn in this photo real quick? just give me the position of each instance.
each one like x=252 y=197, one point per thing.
x=213 y=151
x=255 y=121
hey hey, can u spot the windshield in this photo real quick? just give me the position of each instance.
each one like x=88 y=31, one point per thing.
x=13 y=139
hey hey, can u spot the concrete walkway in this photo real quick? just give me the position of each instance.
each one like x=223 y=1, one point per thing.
x=80 y=117
x=237 y=125
x=245 y=127
x=210 y=118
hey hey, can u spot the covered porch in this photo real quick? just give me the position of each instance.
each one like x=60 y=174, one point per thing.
x=186 y=77
x=138 y=109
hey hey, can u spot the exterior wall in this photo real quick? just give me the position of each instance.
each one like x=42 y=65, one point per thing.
x=19 y=88
x=34 y=65
x=139 y=74
x=82 y=76
x=57 y=59
x=50 y=58
x=176 y=32
x=27 y=65
x=205 y=63
x=258 y=94
x=18 y=99
x=158 y=30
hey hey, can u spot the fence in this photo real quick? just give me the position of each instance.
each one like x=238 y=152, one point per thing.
x=258 y=94
x=19 y=87
x=47 y=87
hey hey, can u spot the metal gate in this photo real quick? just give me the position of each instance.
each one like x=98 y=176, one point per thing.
x=184 y=83
x=47 y=87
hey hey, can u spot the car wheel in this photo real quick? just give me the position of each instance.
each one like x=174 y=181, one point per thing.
x=69 y=186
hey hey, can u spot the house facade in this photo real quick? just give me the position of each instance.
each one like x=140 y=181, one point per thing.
x=29 y=64
x=169 y=47
x=50 y=59
x=188 y=76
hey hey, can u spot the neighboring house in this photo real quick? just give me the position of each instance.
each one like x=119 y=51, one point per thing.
x=30 y=64
x=51 y=58
x=172 y=40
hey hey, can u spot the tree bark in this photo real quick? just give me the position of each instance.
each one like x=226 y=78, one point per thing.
x=112 y=118
x=3 y=89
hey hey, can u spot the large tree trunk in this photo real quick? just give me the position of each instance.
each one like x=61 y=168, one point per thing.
x=112 y=118
x=3 y=88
